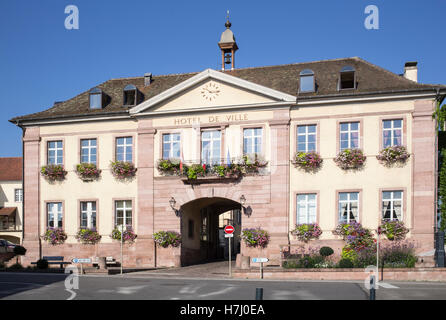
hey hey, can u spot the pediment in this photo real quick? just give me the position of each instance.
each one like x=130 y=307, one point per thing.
x=210 y=89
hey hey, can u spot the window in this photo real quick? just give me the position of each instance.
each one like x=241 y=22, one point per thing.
x=54 y=214
x=55 y=152
x=171 y=145
x=96 y=98
x=88 y=151
x=348 y=207
x=124 y=148
x=349 y=135
x=123 y=213
x=392 y=133
x=88 y=214
x=347 y=78
x=306 y=138
x=306 y=208
x=252 y=141
x=210 y=147
x=18 y=195
x=130 y=95
x=392 y=205
x=307 y=81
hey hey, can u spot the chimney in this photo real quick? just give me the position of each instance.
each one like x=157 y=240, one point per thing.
x=411 y=71
x=147 y=79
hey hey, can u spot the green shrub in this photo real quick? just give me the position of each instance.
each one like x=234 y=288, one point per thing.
x=16 y=266
x=326 y=251
x=307 y=261
x=345 y=263
x=42 y=264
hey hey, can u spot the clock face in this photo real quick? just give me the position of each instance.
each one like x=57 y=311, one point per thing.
x=210 y=91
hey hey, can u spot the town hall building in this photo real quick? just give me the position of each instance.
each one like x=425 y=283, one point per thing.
x=260 y=117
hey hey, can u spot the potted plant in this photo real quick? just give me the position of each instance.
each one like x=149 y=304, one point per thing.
x=308 y=161
x=391 y=155
x=129 y=235
x=53 y=172
x=167 y=238
x=194 y=171
x=252 y=163
x=169 y=167
x=123 y=170
x=88 y=236
x=55 y=236
x=350 y=159
x=394 y=230
x=88 y=171
x=307 y=231
x=255 y=237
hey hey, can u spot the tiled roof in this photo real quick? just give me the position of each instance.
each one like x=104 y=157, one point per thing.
x=285 y=78
x=10 y=169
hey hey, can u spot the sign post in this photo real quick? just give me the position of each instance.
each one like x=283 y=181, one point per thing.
x=261 y=260
x=229 y=233
x=81 y=261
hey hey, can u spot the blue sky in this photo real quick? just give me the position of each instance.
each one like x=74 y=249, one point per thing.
x=42 y=62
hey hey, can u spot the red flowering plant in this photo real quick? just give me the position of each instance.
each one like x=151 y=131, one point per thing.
x=308 y=161
x=391 y=155
x=123 y=170
x=88 y=171
x=167 y=238
x=307 y=231
x=357 y=238
x=55 y=236
x=88 y=236
x=53 y=172
x=128 y=235
x=350 y=159
x=393 y=229
x=255 y=237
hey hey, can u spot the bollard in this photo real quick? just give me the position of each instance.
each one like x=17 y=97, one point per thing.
x=259 y=293
x=372 y=295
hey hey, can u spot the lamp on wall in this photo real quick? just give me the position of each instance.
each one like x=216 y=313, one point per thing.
x=247 y=211
x=172 y=203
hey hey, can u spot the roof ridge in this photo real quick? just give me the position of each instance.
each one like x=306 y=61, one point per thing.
x=159 y=75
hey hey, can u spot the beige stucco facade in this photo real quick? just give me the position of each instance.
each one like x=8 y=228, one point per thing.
x=12 y=231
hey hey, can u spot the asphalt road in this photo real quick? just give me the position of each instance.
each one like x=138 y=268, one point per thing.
x=28 y=286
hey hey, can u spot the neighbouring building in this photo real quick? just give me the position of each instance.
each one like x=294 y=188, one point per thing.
x=215 y=117
x=11 y=198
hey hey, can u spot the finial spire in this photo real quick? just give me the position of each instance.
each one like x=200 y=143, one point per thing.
x=227 y=24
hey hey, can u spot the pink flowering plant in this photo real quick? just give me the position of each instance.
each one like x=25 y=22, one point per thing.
x=88 y=236
x=350 y=159
x=252 y=163
x=55 y=236
x=123 y=170
x=357 y=239
x=255 y=237
x=129 y=235
x=308 y=161
x=87 y=171
x=167 y=238
x=307 y=231
x=391 y=155
x=53 y=172
x=169 y=167
x=393 y=229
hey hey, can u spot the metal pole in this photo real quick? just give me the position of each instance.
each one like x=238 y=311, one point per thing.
x=122 y=237
x=261 y=270
x=259 y=293
x=377 y=254
x=372 y=295
x=230 y=270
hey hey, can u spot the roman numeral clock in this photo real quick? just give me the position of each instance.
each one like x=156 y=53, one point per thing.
x=210 y=91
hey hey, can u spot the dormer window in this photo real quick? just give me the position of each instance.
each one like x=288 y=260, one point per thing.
x=130 y=95
x=96 y=98
x=347 y=78
x=307 y=81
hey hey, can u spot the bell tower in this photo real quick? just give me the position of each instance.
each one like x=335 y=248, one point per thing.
x=228 y=46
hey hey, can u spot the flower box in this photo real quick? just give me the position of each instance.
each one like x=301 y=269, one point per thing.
x=129 y=235
x=123 y=170
x=394 y=230
x=391 y=155
x=169 y=167
x=167 y=238
x=308 y=161
x=88 y=171
x=307 y=231
x=88 y=236
x=255 y=237
x=53 y=172
x=350 y=159
x=55 y=236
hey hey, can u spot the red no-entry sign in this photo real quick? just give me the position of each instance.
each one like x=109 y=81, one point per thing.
x=229 y=229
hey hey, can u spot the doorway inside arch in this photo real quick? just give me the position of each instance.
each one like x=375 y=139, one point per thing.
x=202 y=230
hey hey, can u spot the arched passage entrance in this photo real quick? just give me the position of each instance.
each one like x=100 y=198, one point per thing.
x=202 y=223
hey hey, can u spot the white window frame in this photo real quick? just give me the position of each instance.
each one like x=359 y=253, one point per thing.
x=307 y=205
x=250 y=134
x=392 y=205
x=127 y=212
x=89 y=149
x=392 y=132
x=349 y=132
x=90 y=212
x=56 y=150
x=212 y=153
x=56 y=209
x=306 y=134
x=349 y=207
x=171 y=142
x=125 y=145
x=18 y=195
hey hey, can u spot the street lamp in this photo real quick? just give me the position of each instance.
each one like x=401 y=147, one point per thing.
x=172 y=203
x=246 y=210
